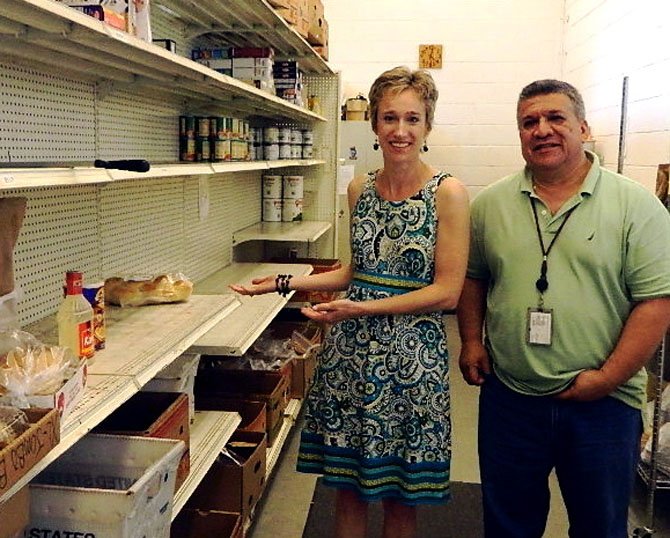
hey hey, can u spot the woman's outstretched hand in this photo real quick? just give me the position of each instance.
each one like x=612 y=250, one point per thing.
x=258 y=286
x=334 y=311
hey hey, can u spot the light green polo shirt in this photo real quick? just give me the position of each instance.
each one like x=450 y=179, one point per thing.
x=613 y=251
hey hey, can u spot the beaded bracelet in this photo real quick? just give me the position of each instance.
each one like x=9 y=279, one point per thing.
x=282 y=284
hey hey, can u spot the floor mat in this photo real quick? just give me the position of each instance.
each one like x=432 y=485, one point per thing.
x=459 y=518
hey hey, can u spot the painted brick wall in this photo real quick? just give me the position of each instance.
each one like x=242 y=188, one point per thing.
x=492 y=48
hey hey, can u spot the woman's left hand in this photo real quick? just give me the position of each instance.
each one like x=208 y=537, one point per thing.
x=334 y=311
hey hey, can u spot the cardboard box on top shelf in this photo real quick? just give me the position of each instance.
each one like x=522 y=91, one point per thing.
x=162 y=415
x=21 y=455
x=107 y=485
x=15 y=514
x=280 y=3
x=112 y=12
x=236 y=480
x=199 y=523
x=317 y=33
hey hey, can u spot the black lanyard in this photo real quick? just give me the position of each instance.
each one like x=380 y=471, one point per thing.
x=542 y=284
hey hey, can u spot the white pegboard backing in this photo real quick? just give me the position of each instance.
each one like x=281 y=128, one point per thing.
x=322 y=201
x=138 y=125
x=59 y=233
x=165 y=25
x=141 y=227
x=208 y=224
x=245 y=200
x=45 y=117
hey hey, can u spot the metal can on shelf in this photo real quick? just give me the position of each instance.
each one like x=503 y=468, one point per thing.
x=271 y=152
x=291 y=209
x=272 y=209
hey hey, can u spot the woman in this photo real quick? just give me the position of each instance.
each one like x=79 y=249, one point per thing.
x=377 y=418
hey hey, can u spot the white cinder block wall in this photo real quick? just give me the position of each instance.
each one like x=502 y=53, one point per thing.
x=492 y=48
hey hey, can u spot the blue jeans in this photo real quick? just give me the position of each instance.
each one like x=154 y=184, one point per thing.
x=594 y=447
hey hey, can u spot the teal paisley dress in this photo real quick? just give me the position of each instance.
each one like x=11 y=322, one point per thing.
x=377 y=417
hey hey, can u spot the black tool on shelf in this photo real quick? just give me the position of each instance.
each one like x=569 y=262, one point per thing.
x=132 y=165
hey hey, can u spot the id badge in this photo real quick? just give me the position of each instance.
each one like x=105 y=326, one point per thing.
x=539 y=327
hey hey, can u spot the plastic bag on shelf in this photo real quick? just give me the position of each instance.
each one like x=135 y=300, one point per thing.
x=29 y=367
x=662 y=449
x=13 y=422
x=139 y=291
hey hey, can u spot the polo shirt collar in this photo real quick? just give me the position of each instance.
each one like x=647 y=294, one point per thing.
x=588 y=186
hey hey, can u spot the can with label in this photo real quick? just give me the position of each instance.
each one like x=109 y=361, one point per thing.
x=221 y=150
x=186 y=125
x=284 y=151
x=202 y=126
x=291 y=209
x=187 y=148
x=271 y=135
x=307 y=151
x=292 y=187
x=284 y=135
x=95 y=295
x=202 y=149
x=296 y=151
x=270 y=152
x=296 y=136
x=307 y=136
x=272 y=186
x=272 y=209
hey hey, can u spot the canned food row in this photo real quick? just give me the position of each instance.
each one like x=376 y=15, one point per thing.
x=217 y=127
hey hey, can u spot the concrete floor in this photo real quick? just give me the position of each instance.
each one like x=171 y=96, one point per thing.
x=283 y=509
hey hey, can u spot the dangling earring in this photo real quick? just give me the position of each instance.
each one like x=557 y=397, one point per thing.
x=425 y=146
x=375 y=146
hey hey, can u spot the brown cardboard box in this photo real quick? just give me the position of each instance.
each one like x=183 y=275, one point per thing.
x=317 y=31
x=234 y=486
x=254 y=418
x=267 y=386
x=200 y=523
x=163 y=415
x=15 y=514
x=19 y=456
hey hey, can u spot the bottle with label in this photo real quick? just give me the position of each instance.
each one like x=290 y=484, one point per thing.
x=75 y=319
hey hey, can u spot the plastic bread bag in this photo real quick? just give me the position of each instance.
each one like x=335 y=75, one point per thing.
x=662 y=449
x=165 y=288
x=13 y=422
x=29 y=367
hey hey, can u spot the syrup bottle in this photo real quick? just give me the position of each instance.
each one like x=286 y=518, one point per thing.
x=75 y=319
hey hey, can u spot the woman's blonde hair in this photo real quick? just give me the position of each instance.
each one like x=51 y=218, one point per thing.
x=399 y=79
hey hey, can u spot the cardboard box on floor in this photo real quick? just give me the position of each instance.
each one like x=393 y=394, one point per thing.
x=199 y=523
x=234 y=486
x=19 y=456
x=163 y=415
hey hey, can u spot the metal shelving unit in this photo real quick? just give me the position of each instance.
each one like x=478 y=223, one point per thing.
x=235 y=335
x=15 y=178
x=654 y=478
x=73 y=89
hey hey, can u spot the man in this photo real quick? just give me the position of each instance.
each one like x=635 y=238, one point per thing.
x=567 y=297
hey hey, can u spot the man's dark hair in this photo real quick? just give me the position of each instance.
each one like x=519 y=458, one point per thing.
x=547 y=86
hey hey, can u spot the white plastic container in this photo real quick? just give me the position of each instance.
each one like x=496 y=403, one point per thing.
x=272 y=208
x=291 y=209
x=272 y=186
x=107 y=486
x=293 y=187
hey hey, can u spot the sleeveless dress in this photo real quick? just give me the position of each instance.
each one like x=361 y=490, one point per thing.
x=377 y=417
